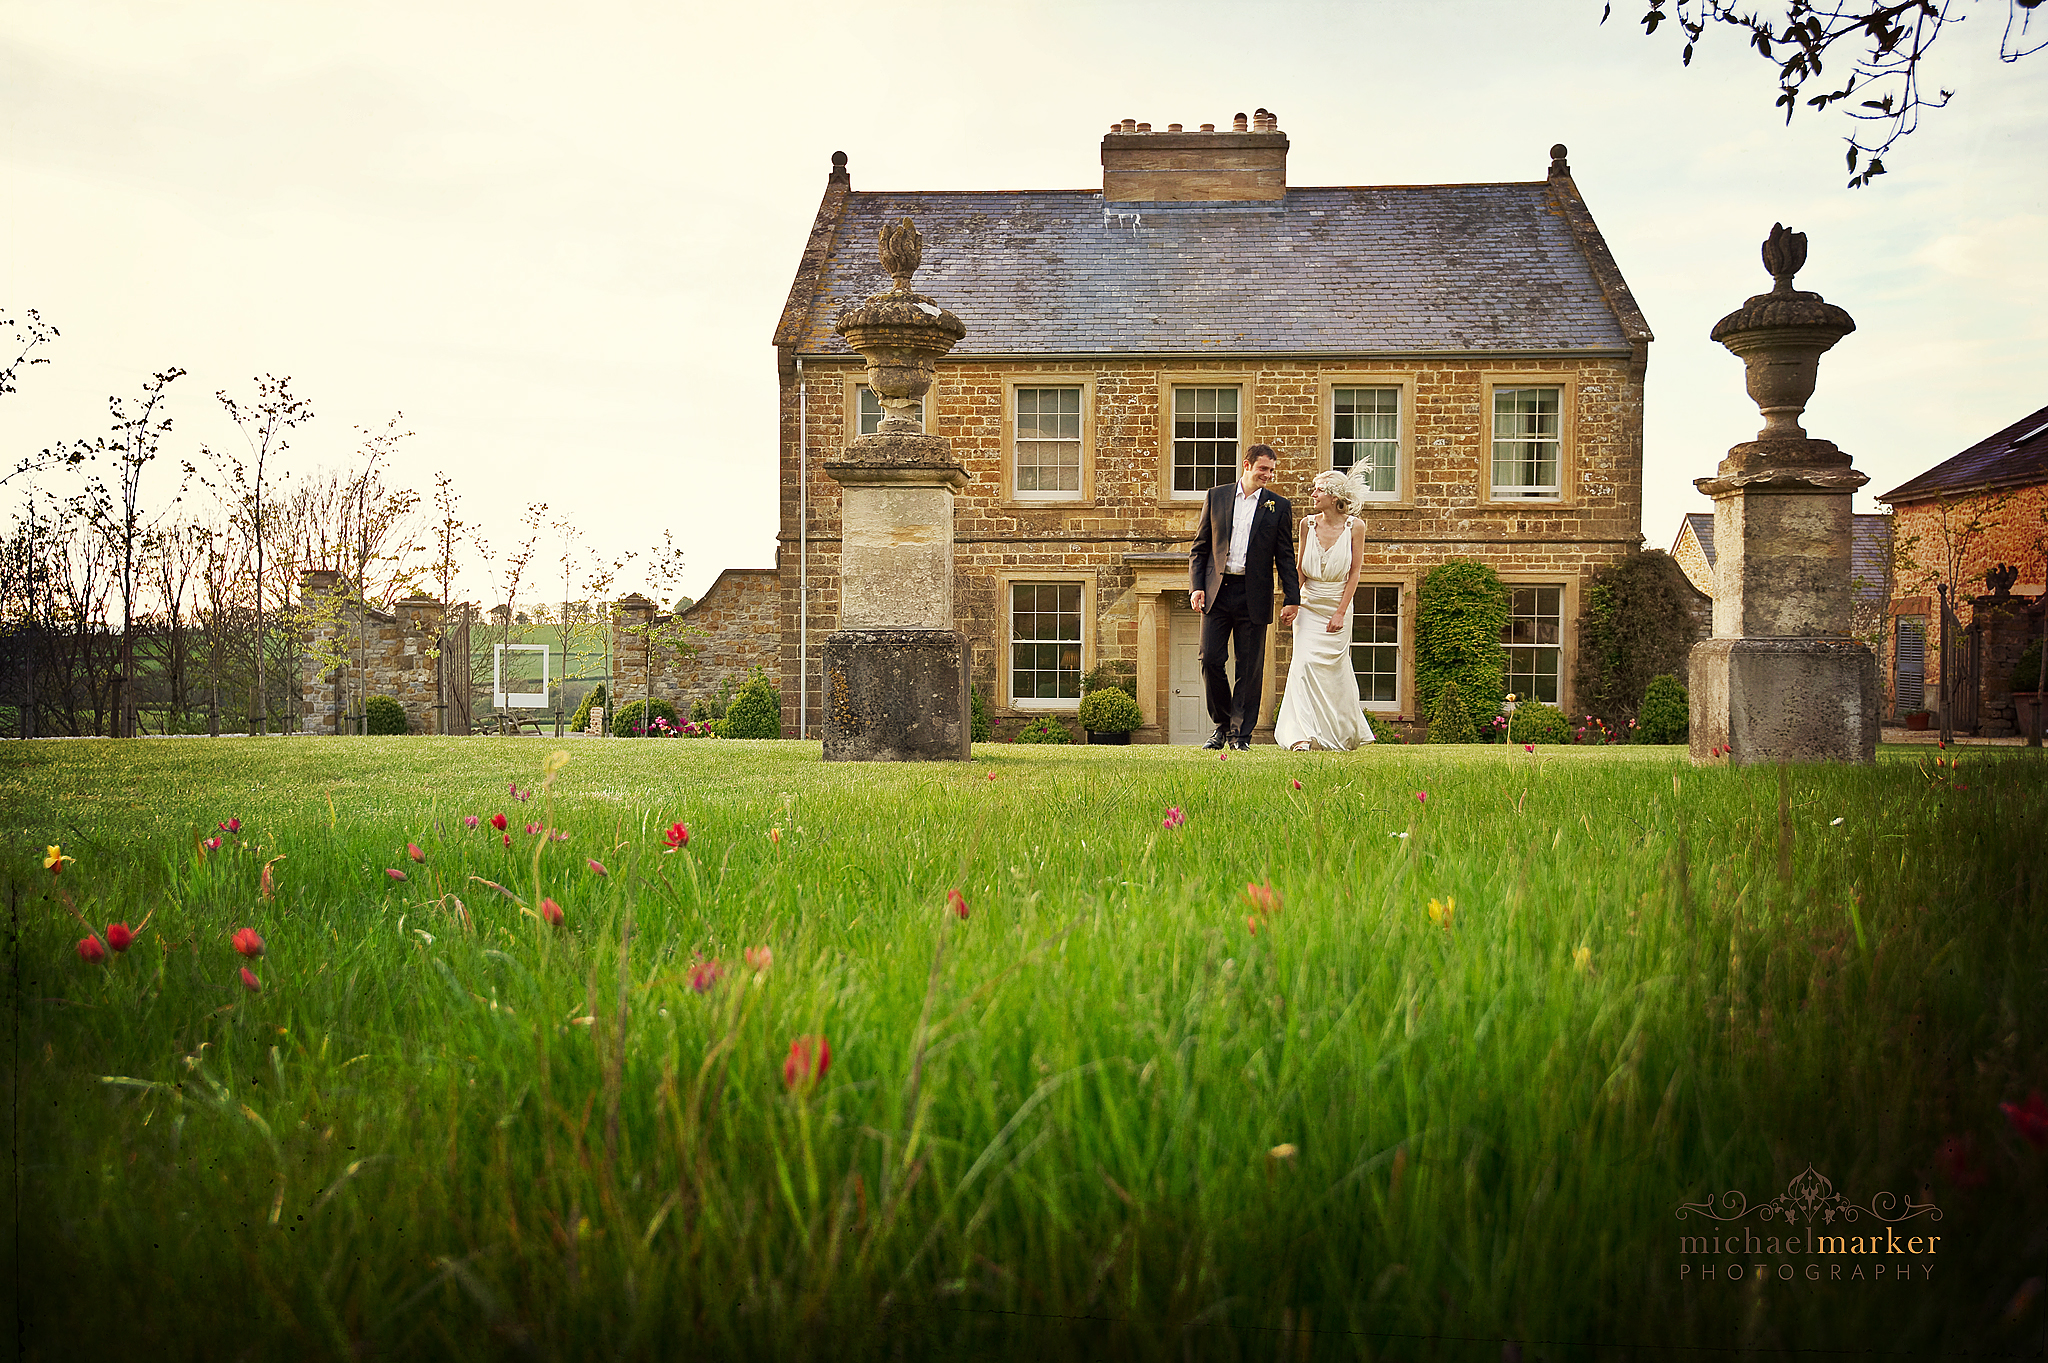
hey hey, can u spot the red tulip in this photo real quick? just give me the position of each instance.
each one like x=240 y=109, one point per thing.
x=551 y=912
x=1422 y=796
x=412 y=849
x=508 y=839
x=704 y=974
x=212 y=844
x=677 y=837
x=498 y=822
x=119 y=937
x=957 y=902
x=809 y=1058
x=1297 y=785
x=232 y=826
x=250 y=982
x=2029 y=1119
x=247 y=942
x=90 y=951
x=760 y=958
x=1262 y=897
x=596 y=867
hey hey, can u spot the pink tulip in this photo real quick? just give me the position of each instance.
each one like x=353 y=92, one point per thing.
x=232 y=826
x=809 y=1058
x=551 y=912
x=704 y=974
x=596 y=867
x=1422 y=797
x=250 y=982
x=412 y=849
x=1174 y=818
x=2029 y=1119
x=212 y=844
x=394 y=873
x=470 y=821
x=759 y=958
x=957 y=902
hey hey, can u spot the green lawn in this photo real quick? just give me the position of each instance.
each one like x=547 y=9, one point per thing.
x=1103 y=1115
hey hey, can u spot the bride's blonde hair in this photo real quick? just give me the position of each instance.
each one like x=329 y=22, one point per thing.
x=1348 y=491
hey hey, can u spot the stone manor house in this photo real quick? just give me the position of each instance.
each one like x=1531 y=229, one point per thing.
x=1470 y=350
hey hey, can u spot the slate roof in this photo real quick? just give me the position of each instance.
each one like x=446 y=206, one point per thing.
x=1870 y=552
x=1390 y=269
x=2014 y=457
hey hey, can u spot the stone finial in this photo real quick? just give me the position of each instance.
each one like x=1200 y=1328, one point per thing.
x=839 y=175
x=1558 y=165
x=2001 y=578
x=902 y=252
x=1784 y=255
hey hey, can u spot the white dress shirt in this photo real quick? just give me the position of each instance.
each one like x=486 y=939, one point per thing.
x=1241 y=529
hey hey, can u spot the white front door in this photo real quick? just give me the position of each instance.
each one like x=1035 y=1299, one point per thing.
x=1187 y=716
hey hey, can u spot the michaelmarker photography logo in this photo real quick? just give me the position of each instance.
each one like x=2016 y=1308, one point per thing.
x=1809 y=1233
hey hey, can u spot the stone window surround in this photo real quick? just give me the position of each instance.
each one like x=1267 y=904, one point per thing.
x=1567 y=618
x=1404 y=687
x=855 y=379
x=1245 y=382
x=1567 y=384
x=1010 y=497
x=1013 y=577
x=1403 y=495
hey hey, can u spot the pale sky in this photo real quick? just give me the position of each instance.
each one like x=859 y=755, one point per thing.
x=558 y=238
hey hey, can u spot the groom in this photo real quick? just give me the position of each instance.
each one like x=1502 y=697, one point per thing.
x=1246 y=531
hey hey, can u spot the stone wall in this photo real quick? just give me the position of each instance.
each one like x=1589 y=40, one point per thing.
x=383 y=654
x=1126 y=511
x=740 y=622
x=2014 y=529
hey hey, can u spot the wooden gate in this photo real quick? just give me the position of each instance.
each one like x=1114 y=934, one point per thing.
x=457 y=693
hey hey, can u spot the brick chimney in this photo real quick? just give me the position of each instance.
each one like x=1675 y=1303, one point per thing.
x=1247 y=164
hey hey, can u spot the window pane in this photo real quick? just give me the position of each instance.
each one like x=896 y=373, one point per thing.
x=1045 y=640
x=1376 y=643
x=1533 y=638
x=1366 y=424
x=1048 y=440
x=1204 y=438
x=1527 y=444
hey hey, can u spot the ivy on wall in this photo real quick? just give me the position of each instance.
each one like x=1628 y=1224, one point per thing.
x=1459 y=615
x=1639 y=624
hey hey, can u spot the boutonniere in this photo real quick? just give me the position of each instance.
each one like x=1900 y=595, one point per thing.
x=1267 y=506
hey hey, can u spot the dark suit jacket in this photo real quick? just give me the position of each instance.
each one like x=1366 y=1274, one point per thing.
x=1271 y=547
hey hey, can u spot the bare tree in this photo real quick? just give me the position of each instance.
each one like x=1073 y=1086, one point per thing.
x=1881 y=42
x=24 y=335
x=1960 y=525
x=265 y=425
x=119 y=515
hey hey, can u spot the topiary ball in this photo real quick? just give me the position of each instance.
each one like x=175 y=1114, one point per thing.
x=1535 y=722
x=1110 y=711
x=640 y=715
x=386 y=715
x=1044 y=729
x=1665 y=714
x=755 y=712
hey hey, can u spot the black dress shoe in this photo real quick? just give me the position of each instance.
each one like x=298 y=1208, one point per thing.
x=1217 y=740
x=1241 y=744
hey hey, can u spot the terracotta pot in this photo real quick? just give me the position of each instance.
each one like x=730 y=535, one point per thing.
x=1918 y=720
x=1112 y=740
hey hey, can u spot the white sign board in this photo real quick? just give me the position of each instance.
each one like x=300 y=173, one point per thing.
x=518 y=700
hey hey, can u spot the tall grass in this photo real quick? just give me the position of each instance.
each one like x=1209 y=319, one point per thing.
x=1122 y=1109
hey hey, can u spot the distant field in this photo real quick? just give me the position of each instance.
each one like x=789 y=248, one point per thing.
x=1322 y=1070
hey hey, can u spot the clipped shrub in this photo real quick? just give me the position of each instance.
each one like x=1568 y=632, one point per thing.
x=1459 y=615
x=580 y=721
x=1535 y=722
x=1110 y=710
x=1450 y=719
x=706 y=709
x=641 y=714
x=979 y=707
x=1044 y=729
x=756 y=710
x=1666 y=712
x=386 y=715
x=1639 y=624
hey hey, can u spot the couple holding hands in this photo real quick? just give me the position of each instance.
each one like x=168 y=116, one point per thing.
x=1246 y=535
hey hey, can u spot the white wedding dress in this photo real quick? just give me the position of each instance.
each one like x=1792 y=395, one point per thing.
x=1321 y=705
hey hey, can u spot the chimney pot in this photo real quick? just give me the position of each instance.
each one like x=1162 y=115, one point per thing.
x=1208 y=127
x=1130 y=125
x=1237 y=123
x=1173 y=127
x=1144 y=127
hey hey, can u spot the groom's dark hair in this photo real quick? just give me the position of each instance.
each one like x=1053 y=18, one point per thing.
x=1258 y=452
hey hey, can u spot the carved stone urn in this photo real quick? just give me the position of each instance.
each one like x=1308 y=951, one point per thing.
x=896 y=671
x=1782 y=680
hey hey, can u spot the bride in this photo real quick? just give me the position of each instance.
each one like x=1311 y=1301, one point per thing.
x=1321 y=708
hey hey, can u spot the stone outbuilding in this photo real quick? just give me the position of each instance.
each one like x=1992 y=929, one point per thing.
x=1471 y=351
x=1959 y=523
